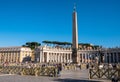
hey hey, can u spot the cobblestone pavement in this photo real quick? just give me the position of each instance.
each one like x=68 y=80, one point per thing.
x=66 y=76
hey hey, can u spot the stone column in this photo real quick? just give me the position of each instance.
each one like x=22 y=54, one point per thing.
x=53 y=57
x=85 y=58
x=40 y=56
x=61 y=58
x=48 y=57
x=105 y=60
x=110 y=57
x=43 y=57
x=82 y=57
x=117 y=57
x=64 y=57
x=57 y=57
x=70 y=57
x=67 y=58
x=113 y=57
x=12 y=56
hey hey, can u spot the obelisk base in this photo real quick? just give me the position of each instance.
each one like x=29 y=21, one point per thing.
x=74 y=56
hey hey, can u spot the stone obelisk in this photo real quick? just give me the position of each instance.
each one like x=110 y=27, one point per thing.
x=75 y=36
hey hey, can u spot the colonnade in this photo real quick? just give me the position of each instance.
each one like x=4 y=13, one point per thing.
x=83 y=56
x=112 y=57
x=66 y=57
x=86 y=57
x=60 y=55
x=56 y=57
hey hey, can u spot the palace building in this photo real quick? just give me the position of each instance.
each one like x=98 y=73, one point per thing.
x=14 y=54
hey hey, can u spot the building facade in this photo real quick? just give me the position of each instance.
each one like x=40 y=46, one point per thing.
x=111 y=55
x=47 y=54
x=14 y=54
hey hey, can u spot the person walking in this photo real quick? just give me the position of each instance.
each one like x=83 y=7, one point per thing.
x=59 y=69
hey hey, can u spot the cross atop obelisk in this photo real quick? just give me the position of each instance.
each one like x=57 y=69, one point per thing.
x=74 y=7
x=75 y=36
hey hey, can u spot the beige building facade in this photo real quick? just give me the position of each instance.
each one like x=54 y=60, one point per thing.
x=14 y=54
x=47 y=54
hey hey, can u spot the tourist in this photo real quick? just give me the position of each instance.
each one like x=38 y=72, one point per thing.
x=80 y=66
x=87 y=66
x=59 y=66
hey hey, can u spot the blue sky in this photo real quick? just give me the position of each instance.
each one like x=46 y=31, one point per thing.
x=23 y=21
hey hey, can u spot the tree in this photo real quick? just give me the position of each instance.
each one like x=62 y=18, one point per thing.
x=57 y=43
x=31 y=45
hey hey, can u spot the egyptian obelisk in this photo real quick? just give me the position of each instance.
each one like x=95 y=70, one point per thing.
x=75 y=36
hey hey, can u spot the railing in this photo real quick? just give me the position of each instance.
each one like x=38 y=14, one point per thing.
x=36 y=71
x=108 y=73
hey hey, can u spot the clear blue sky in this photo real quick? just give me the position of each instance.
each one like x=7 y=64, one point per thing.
x=23 y=21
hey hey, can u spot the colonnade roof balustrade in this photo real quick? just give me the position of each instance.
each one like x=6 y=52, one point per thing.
x=64 y=49
x=110 y=50
x=56 y=48
x=88 y=49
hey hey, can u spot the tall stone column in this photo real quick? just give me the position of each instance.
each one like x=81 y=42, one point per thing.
x=70 y=57
x=47 y=57
x=61 y=57
x=113 y=57
x=82 y=58
x=109 y=57
x=85 y=58
x=105 y=60
x=74 y=37
x=117 y=57
x=64 y=58
x=43 y=57
x=57 y=57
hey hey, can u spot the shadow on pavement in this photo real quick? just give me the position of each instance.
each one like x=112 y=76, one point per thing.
x=74 y=80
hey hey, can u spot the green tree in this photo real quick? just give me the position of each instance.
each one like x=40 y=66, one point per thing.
x=31 y=45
